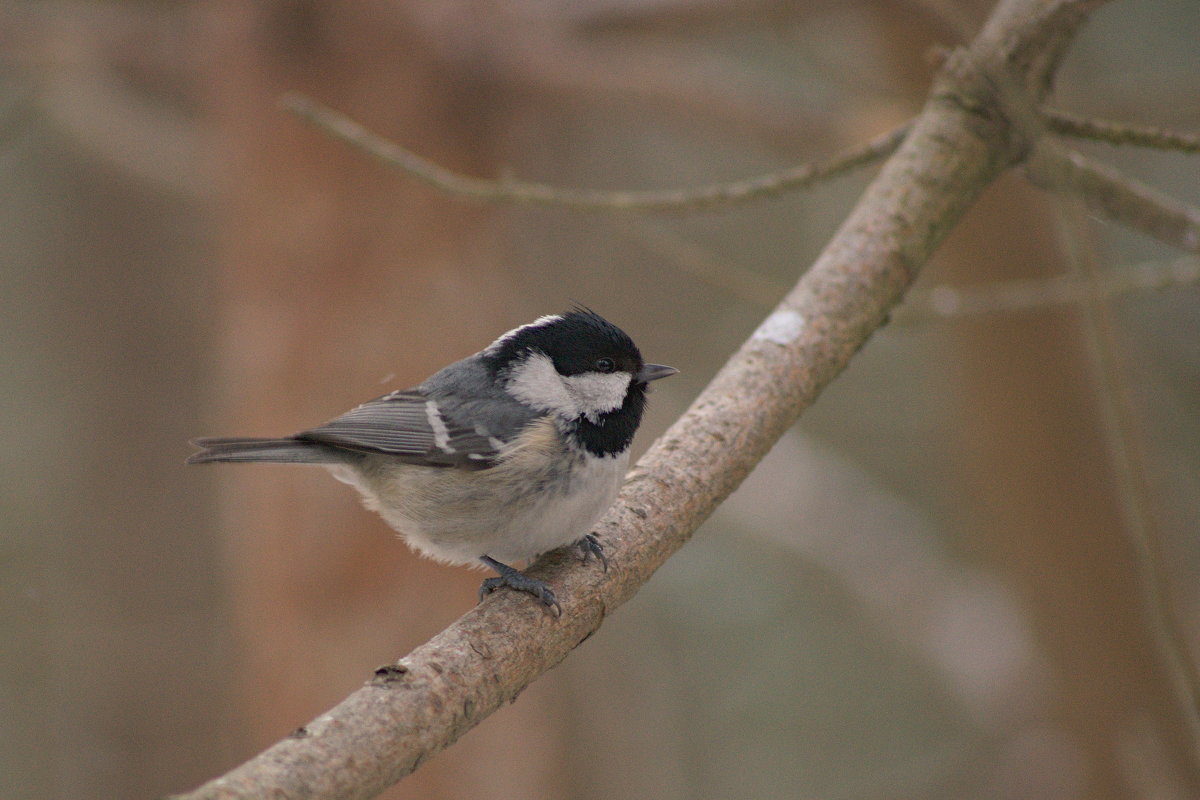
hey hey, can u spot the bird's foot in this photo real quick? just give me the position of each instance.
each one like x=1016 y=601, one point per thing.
x=515 y=579
x=590 y=546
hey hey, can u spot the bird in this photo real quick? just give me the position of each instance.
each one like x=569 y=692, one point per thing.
x=506 y=454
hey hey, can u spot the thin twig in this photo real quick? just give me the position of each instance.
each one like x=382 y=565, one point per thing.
x=1022 y=295
x=511 y=191
x=1117 y=133
x=1117 y=196
x=939 y=302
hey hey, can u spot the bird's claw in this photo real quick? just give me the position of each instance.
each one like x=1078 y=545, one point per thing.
x=515 y=579
x=590 y=546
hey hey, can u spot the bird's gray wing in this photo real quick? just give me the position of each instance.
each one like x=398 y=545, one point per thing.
x=414 y=427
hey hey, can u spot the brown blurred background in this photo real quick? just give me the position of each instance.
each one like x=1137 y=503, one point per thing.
x=928 y=590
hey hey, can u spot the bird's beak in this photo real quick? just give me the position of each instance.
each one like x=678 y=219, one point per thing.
x=652 y=372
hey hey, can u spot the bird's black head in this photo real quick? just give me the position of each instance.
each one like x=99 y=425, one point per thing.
x=576 y=342
x=583 y=369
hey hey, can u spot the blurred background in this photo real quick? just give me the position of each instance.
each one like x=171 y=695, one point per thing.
x=931 y=588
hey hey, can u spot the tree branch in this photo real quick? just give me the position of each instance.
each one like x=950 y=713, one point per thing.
x=934 y=303
x=1022 y=295
x=510 y=191
x=1120 y=198
x=420 y=705
x=1117 y=133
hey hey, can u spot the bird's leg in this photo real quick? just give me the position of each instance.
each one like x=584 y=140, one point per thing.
x=515 y=579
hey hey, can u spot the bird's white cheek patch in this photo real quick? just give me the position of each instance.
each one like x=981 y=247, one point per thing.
x=536 y=382
x=596 y=393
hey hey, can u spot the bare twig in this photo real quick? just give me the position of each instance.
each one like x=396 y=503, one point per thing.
x=1009 y=296
x=510 y=191
x=936 y=302
x=1118 y=197
x=415 y=708
x=1119 y=132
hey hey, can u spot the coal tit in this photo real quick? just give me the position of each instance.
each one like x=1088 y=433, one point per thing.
x=503 y=455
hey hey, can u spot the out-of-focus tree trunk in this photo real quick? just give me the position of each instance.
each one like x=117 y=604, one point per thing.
x=1044 y=507
x=341 y=282
x=1041 y=501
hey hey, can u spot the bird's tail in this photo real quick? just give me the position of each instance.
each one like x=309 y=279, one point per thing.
x=280 y=451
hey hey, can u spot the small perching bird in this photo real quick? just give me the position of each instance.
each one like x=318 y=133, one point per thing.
x=506 y=454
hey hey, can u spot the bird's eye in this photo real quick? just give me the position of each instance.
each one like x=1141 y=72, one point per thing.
x=605 y=365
